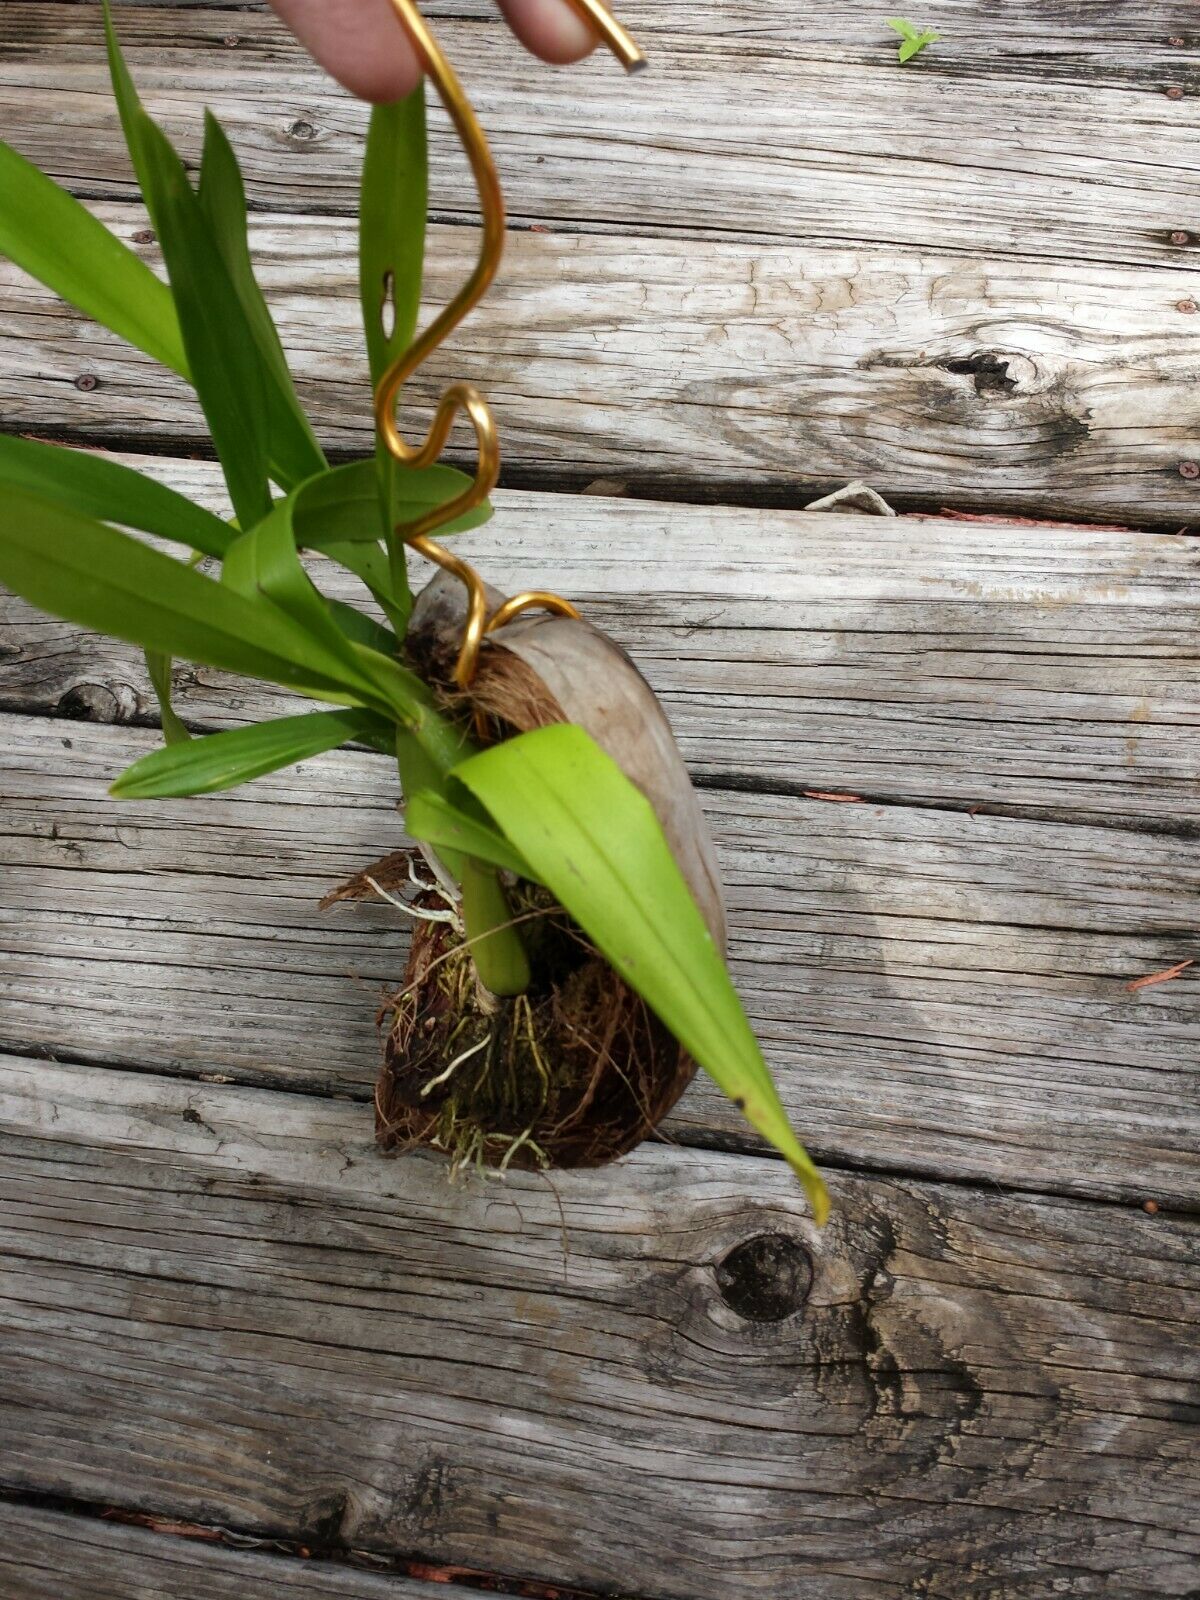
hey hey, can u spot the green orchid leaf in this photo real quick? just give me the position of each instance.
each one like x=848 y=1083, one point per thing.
x=110 y=491
x=88 y=573
x=225 y=760
x=337 y=513
x=159 y=668
x=595 y=842
x=436 y=820
x=392 y=214
x=293 y=448
x=392 y=210
x=226 y=370
x=265 y=561
x=361 y=629
x=341 y=505
x=371 y=566
x=226 y=367
x=48 y=234
x=264 y=564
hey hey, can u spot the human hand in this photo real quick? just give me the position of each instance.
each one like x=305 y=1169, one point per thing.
x=363 y=45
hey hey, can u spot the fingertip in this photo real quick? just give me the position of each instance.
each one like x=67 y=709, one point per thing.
x=380 y=82
x=359 y=42
x=551 y=29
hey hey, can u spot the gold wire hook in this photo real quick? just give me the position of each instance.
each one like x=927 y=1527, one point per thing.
x=465 y=396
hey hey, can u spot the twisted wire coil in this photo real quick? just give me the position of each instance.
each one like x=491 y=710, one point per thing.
x=465 y=397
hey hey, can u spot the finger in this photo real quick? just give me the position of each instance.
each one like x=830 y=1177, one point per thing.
x=552 y=29
x=360 y=42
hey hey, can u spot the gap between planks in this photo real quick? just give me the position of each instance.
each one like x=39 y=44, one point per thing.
x=712 y=371
x=55 y=1554
x=782 y=366
x=1045 y=671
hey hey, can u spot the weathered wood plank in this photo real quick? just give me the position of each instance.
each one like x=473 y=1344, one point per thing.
x=1049 y=669
x=746 y=127
x=1066 y=389
x=48 y=1555
x=1069 y=38
x=222 y=1301
x=936 y=992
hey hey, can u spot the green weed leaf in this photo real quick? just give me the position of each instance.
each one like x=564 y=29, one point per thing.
x=594 y=841
x=914 y=39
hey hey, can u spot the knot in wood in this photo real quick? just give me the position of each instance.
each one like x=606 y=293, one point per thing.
x=766 y=1278
x=90 y=702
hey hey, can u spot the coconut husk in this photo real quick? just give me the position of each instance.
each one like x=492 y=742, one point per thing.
x=542 y=669
x=578 y=1070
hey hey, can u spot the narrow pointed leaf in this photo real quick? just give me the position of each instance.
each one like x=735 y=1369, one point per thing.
x=292 y=445
x=223 y=359
x=265 y=561
x=54 y=238
x=370 y=564
x=362 y=629
x=110 y=491
x=226 y=369
x=90 y=574
x=225 y=760
x=594 y=841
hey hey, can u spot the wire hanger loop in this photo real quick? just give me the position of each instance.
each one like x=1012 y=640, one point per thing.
x=465 y=397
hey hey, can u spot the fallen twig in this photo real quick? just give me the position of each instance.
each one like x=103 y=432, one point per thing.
x=1162 y=977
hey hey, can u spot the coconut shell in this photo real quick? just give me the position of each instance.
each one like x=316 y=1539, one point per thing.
x=540 y=669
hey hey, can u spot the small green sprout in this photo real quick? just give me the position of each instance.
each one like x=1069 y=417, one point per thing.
x=912 y=40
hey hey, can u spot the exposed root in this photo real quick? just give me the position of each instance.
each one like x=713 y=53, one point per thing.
x=574 y=1072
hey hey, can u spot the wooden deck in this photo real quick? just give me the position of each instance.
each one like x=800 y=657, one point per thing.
x=242 y=1354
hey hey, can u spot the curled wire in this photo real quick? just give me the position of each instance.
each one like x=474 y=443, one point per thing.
x=465 y=397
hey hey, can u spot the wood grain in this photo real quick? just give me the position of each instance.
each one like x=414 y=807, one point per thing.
x=936 y=992
x=1051 y=671
x=49 y=1555
x=224 y=1303
x=733 y=132
x=749 y=372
